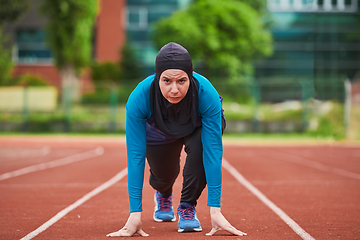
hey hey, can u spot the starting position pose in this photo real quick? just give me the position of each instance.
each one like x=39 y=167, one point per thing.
x=172 y=108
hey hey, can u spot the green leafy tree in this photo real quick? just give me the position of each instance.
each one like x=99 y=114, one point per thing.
x=125 y=70
x=105 y=74
x=10 y=11
x=225 y=35
x=6 y=64
x=129 y=65
x=69 y=34
x=260 y=7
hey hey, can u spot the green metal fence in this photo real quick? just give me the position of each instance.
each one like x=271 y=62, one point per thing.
x=260 y=106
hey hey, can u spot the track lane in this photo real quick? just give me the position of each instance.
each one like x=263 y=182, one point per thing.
x=30 y=200
x=76 y=204
x=13 y=163
x=279 y=212
x=54 y=163
x=8 y=154
x=324 y=204
x=344 y=158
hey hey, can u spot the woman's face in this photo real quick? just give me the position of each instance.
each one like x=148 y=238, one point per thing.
x=174 y=84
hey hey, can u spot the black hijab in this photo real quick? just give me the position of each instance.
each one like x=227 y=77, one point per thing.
x=177 y=120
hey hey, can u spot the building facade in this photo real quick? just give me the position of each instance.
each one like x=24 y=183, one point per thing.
x=314 y=41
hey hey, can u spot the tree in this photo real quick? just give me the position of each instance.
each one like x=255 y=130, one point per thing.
x=128 y=64
x=10 y=11
x=105 y=74
x=260 y=6
x=225 y=35
x=125 y=70
x=5 y=61
x=69 y=34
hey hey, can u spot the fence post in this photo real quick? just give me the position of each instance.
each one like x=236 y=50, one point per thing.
x=307 y=92
x=25 y=109
x=113 y=105
x=256 y=95
x=67 y=106
x=305 y=114
x=347 y=108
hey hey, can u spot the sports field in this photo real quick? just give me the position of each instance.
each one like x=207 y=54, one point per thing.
x=76 y=188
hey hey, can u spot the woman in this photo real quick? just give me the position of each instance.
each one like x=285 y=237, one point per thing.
x=172 y=108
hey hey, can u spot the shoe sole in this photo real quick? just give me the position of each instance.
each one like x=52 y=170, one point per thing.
x=189 y=229
x=164 y=220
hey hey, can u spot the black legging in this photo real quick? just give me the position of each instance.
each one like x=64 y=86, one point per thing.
x=164 y=161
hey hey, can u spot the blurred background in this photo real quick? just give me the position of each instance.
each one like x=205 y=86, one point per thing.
x=282 y=66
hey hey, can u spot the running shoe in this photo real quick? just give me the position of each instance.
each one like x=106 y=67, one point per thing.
x=188 y=221
x=164 y=211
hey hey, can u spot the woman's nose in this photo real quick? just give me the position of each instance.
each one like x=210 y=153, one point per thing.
x=174 y=89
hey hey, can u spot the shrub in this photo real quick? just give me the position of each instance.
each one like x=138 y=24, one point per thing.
x=105 y=73
x=31 y=80
x=99 y=97
x=331 y=124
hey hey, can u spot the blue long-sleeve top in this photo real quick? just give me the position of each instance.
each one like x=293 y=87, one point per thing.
x=138 y=112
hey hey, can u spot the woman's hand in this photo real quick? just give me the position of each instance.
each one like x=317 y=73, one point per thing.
x=219 y=222
x=132 y=226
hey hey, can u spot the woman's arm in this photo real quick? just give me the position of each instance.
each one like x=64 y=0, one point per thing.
x=137 y=112
x=211 y=137
x=210 y=109
x=136 y=153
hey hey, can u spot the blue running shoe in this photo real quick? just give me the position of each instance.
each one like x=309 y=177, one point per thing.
x=188 y=221
x=164 y=211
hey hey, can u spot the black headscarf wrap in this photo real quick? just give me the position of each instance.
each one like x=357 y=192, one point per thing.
x=177 y=120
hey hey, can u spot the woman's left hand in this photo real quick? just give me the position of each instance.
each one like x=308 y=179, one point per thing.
x=219 y=222
x=132 y=226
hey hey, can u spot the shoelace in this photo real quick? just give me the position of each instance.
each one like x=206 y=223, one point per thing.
x=187 y=213
x=165 y=203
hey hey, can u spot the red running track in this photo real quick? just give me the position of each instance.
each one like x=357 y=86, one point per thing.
x=269 y=192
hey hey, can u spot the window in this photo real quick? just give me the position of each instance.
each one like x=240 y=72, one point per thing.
x=137 y=18
x=312 y=5
x=31 y=47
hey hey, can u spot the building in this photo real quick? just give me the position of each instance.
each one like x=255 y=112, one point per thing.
x=313 y=41
x=32 y=55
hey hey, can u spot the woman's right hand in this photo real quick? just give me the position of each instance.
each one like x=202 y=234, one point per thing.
x=132 y=226
x=219 y=222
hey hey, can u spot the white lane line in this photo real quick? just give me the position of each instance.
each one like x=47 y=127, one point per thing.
x=291 y=223
x=29 y=153
x=319 y=166
x=76 y=204
x=56 y=163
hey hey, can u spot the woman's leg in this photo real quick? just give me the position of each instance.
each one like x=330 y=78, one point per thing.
x=164 y=166
x=194 y=180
